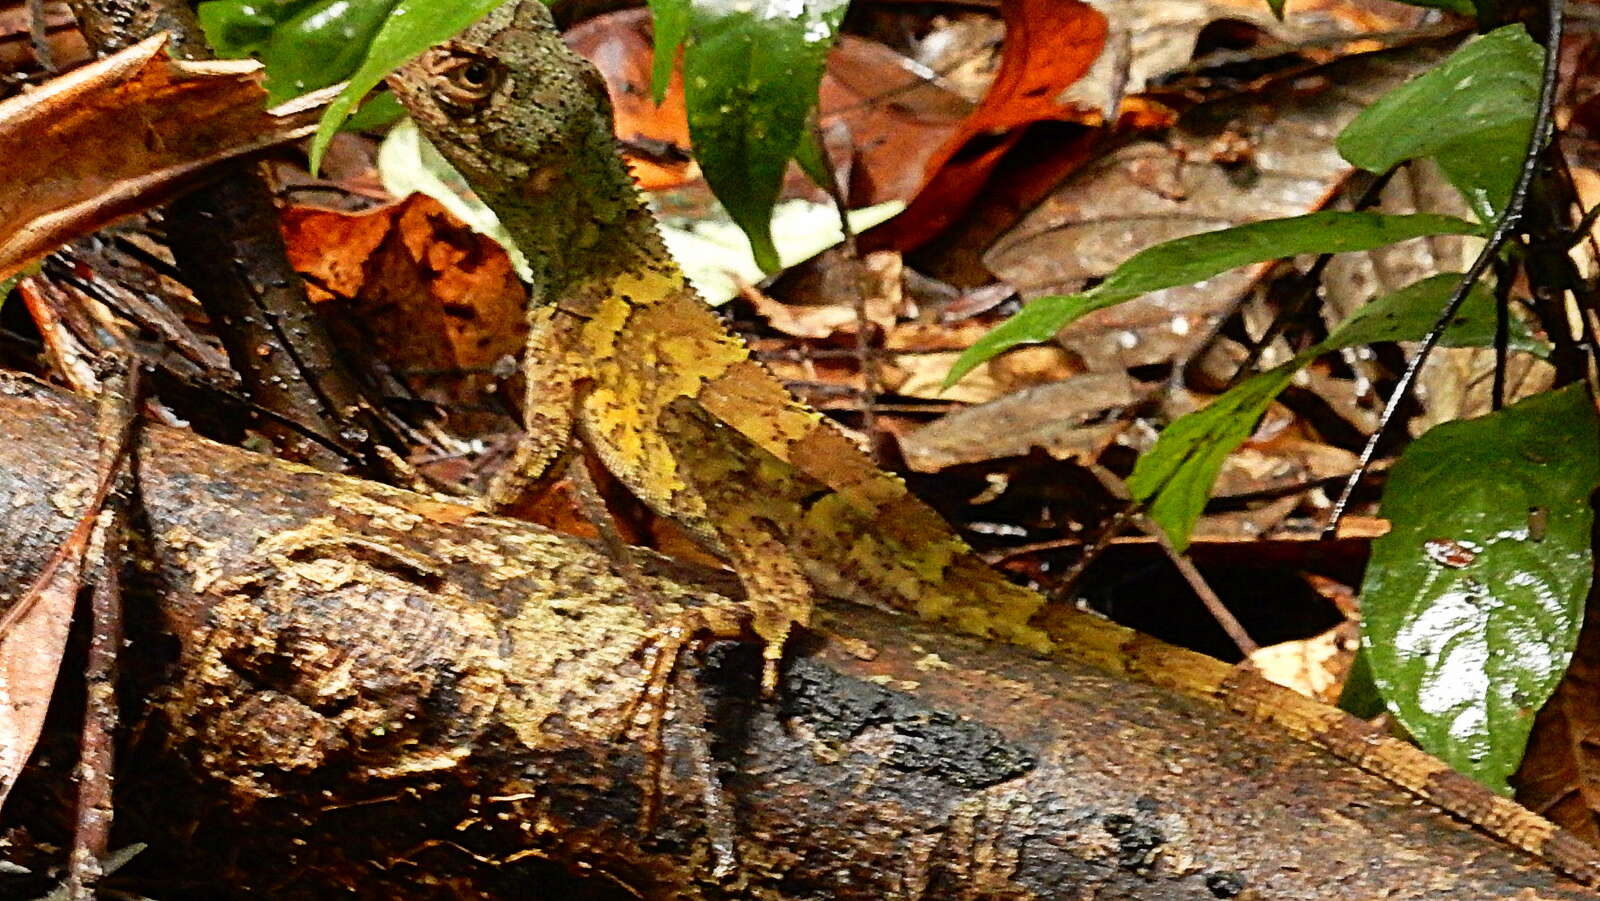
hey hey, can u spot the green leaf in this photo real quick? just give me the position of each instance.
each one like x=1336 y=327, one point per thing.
x=1411 y=312
x=812 y=157
x=1484 y=168
x=670 y=22
x=1360 y=696
x=1277 y=8
x=1175 y=477
x=383 y=109
x=237 y=28
x=1199 y=257
x=1459 y=7
x=1472 y=602
x=751 y=70
x=321 y=45
x=1473 y=112
x=412 y=27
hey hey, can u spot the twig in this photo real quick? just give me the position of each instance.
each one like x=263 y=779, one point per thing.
x=1505 y=226
x=119 y=402
x=39 y=34
x=1502 y=334
x=867 y=359
x=1213 y=603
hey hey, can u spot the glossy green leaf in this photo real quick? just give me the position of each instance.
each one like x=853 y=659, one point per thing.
x=1198 y=257
x=321 y=45
x=1472 y=602
x=412 y=27
x=237 y=28
x=751 y=70
x=1174 y=478
x=1473 y=112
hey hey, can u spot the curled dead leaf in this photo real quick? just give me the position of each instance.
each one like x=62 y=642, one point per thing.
x=122 y=134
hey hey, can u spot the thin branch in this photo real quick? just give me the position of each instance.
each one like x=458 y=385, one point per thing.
x=1505 y=226
x=118 y=415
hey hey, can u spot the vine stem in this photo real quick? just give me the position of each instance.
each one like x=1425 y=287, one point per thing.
x=1504 y=227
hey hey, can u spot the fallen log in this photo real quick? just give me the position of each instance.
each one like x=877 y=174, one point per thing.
x=380 y=694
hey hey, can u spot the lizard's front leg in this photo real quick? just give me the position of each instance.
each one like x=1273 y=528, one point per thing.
x=552 y=374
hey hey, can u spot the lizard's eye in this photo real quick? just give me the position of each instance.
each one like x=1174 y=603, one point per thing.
x=464 y=80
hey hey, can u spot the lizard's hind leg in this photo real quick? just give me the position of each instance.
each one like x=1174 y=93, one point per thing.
x=670 y=660
x=752 y=510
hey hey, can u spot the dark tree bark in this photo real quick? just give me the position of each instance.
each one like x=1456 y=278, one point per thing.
x=381 y=695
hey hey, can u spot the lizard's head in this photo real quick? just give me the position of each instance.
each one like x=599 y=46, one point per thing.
x=506 y=99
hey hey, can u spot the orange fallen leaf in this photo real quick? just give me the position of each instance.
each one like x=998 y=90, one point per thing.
x=1049 y=45
x=440 y=302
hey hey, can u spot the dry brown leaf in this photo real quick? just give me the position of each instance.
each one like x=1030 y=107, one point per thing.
x=1154 y=191
x=1156 y=37
x=1560 y=773
x=830 y=280
x=1316 y=666
x=1055 y=418
x=437 y=300
x=30 y=657
x=124 y=133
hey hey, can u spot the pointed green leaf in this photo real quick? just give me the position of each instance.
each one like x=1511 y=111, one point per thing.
x=1473 y=112
x=1035 y=323
x=1199 y=257
x=1472 y=602
x=1174 y=478
x=1411 y=312
x=751 y=70
x=412 y=27
x=670 y=23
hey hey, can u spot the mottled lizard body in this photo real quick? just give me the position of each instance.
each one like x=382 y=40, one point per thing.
x=626 y=358
x=625 y=355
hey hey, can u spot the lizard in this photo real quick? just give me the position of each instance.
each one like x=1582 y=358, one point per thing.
x=624 y=356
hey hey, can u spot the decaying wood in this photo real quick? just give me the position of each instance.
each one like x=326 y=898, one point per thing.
x=424 y=701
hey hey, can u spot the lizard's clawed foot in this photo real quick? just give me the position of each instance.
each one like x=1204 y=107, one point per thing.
x=667 y=683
